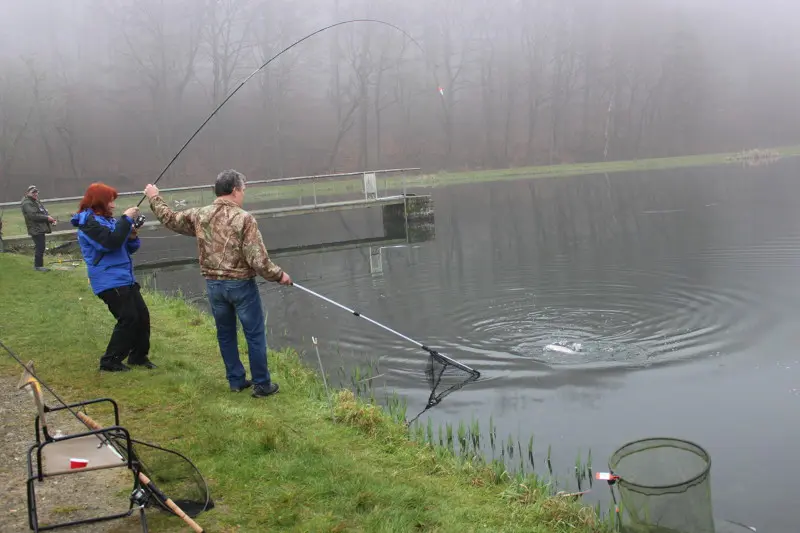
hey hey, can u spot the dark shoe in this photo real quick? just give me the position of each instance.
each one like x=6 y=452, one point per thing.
x=114 y=367
x=247 y=385
x=41 y=269
x=260 y=391
x=147 y=363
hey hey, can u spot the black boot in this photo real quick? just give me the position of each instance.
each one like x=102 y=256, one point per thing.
x=136 y=360
x=114 y=366
x=147 y=363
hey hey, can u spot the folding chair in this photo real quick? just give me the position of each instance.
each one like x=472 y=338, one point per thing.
x=80 y=452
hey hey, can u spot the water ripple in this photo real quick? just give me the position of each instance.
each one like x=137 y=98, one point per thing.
x=620 y=316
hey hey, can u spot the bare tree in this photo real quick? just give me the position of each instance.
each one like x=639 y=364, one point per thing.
x=272 y=28
x=162 y=40
x=452 y=39
x=225 y=41
x=16 y=112
x=386 y=87
x=534 y=38
x=43 y=102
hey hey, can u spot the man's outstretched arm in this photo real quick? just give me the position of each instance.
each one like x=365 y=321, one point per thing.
x=182 y=222
x=256 y=255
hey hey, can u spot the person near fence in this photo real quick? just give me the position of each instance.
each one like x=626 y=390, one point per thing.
x=231 y=254
x=38 y=222
x=107 y=245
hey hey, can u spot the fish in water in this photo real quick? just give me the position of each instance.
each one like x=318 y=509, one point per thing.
x=570 y=349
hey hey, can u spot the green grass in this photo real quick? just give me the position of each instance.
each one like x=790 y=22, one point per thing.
x=304 y=192
x=277 y=464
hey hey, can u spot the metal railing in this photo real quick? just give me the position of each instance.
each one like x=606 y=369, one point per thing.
x=294 y=179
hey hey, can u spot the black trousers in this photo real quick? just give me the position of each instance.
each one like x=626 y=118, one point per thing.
x=38 y=258
x=131 y=335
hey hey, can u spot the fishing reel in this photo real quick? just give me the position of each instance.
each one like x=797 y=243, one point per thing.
x=139 y=497
x=138 y=222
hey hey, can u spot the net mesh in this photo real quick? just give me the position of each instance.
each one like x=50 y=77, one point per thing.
x=173 y=474
x=664 y=486
x=444 y=377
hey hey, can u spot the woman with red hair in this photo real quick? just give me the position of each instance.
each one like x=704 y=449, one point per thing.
x=107 y=245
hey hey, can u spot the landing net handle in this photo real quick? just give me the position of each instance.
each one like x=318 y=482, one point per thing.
x=433 y=353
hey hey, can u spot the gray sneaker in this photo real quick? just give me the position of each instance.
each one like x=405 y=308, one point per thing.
x=260 y=391
x=41 y=269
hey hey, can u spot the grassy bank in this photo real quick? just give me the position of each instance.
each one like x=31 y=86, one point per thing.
x=276 y=464
x=394 y=184
x=582 y=169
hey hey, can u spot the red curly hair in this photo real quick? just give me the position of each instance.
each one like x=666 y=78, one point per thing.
x=97 y=198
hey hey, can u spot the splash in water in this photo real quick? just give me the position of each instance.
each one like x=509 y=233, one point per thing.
x=586 y=352
x=567 y=348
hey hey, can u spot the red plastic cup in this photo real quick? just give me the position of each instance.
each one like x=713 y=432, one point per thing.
x=78 y=463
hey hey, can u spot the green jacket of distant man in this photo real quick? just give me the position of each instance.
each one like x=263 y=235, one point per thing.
x=37 y=219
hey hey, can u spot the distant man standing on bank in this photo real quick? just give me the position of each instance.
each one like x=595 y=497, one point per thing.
x=38 y=222
x=231 y=254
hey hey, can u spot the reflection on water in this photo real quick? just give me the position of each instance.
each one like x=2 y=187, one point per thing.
x=680 y=287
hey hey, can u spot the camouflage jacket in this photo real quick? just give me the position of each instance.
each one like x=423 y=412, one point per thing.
x=229 y=242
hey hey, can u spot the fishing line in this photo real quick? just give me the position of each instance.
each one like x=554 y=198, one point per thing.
x=270 y=60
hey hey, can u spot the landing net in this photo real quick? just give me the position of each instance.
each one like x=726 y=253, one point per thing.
x=664 y=486
x=444 y=376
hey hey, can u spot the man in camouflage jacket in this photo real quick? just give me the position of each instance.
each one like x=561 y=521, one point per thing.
x=231 y=253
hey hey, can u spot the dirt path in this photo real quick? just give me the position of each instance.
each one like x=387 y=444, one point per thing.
x=61 y=498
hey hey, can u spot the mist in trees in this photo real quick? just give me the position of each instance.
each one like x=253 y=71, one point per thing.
x=110 y=89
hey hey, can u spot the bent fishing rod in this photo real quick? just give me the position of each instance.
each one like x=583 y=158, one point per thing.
x=433 y=353
x=270 y=60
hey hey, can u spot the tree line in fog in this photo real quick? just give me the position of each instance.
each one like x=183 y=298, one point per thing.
x=111 y=89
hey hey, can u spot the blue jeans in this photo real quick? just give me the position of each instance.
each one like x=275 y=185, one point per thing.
x=239 y=298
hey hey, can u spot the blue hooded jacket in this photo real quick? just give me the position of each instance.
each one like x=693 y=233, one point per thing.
x=106 y=249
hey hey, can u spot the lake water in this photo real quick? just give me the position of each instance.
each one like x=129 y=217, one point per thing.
x=680 y=286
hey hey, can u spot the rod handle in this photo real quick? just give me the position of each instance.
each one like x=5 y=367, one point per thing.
x=86 y=419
